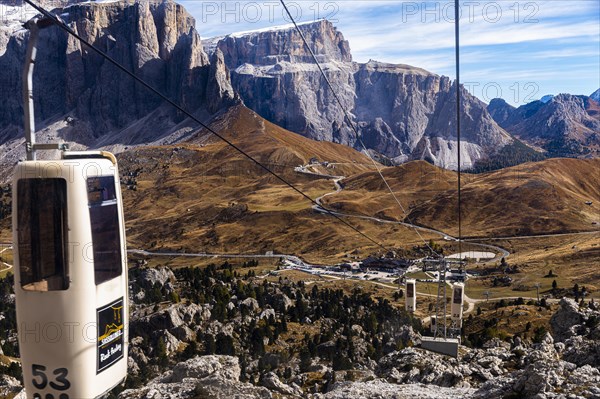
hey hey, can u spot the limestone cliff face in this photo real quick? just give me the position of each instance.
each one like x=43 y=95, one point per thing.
x=155 y=40
x=276 y=77
x=268 y=47
x=401 y=111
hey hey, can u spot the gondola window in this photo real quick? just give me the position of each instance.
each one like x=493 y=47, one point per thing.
x=42 y=230
x=104 y=218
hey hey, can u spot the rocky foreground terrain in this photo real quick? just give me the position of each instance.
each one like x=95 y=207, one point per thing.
x=214 y=334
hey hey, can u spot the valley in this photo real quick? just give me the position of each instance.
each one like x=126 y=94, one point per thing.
x=209 y=210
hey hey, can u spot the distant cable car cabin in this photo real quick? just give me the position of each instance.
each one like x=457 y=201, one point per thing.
x=456 y=309
x=70 y=266
x=411 y=295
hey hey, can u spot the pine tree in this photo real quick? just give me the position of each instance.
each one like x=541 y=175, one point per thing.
x=161 y=353
x=210 y=346
x=305 y=360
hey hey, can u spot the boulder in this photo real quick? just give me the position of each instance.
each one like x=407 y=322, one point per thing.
x=200 y=367
x=200 y=377
x=272 y=382
x=148 y=278
x=566 y=319
x=9 y=386
x=251 y=304
x=267 y=313
x=171 y=343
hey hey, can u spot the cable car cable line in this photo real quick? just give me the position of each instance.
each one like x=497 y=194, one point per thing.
x=67 y=29
x=457 y=54
x=441 y=305
x=351 y=124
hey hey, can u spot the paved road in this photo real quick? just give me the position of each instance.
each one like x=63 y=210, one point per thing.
x=338 y=188
x=535 y=236
x=202 y=254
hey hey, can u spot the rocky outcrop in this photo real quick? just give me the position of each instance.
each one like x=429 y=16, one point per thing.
x=500 y=110
x=567 y=320
x=9 y=386
x=200 y=377
x=384 y=390
x=156 y=275
x=400 y=111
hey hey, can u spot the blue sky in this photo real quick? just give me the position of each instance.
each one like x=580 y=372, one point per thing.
x=517 y=50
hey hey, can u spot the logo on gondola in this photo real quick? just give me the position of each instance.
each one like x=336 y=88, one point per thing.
x=110 y=335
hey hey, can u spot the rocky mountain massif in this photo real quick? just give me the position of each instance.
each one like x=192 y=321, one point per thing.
x=401 y=111
x=563 y=125
x=87 y=101
x=271 y=71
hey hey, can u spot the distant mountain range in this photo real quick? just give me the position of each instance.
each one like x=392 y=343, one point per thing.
x=402 y=112
x=564 y=125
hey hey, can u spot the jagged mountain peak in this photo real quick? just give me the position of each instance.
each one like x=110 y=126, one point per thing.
x=500 y=110
x=596 y=96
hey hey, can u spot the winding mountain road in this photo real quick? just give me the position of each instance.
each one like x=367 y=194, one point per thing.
x=500 y=252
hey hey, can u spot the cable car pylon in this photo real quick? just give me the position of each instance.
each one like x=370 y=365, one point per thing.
x=70 y=264
x=446 y=336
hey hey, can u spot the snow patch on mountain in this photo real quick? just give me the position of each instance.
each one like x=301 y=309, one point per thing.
x=595 y=95
x=284 y=67
x=547 y=98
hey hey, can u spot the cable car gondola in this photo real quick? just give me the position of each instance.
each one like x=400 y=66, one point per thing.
x=411 y=295
x=70 y=265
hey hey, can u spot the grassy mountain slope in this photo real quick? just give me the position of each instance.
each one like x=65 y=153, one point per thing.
x=204 y=196
x=533 y=198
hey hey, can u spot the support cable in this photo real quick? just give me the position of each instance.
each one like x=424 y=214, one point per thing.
x=457 y=50
x=352 y=125
x=70 y=31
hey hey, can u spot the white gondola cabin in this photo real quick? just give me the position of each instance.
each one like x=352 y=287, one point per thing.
x=411 y=295
x=458 y=292
x=70 y=263
x=70 y=275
